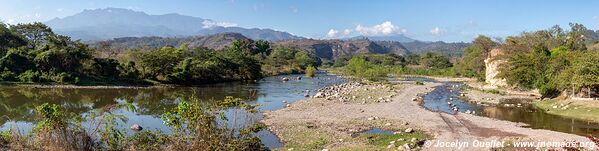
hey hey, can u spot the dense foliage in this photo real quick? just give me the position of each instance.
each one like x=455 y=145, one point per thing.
x=359 y=67
x=184 y=66
x=285 y=60
x=552 y=61
x=33 y=53
x=377 y=66
x=472 y=64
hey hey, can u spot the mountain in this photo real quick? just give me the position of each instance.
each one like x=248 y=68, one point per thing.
x=327 y=49
x=398 y=38
x=108 y=23
x=217 y=41
x=450 y=49
x=330 y=49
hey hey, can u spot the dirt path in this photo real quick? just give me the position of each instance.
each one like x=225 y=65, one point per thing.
x=444 y=127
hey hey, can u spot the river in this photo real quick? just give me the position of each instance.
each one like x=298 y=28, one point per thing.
x=17 y=105
x=437 y=100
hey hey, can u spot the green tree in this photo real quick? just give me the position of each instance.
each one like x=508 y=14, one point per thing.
x=472 y=65
x=9 y=39
x=576 y=37
x=305 y=59
x=263 y=47
x=433 y=60
x=527 y=70
x=582 y=74
x=36 y=33
x=244 y=46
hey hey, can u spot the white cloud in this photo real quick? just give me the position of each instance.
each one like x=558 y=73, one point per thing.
x=385 y=28
x=210 y=24
x=10 y=21
x=332 y=33
x=294 y=9
x=437 y=31
x=347 y=32
x=59 y=9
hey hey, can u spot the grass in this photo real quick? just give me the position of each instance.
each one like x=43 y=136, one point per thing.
x=382 y=140
x=300 y=137
x=494 y=91
x=573 y=111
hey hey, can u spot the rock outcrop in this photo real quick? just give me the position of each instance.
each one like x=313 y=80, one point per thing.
x=492 y=64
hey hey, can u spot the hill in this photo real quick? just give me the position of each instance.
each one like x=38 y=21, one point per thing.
x=449 y=49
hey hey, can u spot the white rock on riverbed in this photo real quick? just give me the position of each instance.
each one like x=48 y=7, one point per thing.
x=136 y=127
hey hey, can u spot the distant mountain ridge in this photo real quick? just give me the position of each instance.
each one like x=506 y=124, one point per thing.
x=398 y=38
x=327 y=49
x=108 y=23
x=330 y=49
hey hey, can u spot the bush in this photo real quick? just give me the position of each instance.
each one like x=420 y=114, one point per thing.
x=148 y=140
x=310 y=71
x=433 y=60
x=8 y=76
x=359 y=67
x=30 y=76
x=128 y=71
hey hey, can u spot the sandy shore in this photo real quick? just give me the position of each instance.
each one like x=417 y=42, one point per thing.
x=332 y=123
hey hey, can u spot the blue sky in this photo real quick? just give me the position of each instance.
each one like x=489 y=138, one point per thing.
x=431 y=20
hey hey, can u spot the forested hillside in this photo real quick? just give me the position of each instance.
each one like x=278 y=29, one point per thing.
x=553 y=61
x=33 y=53
x=454 y=49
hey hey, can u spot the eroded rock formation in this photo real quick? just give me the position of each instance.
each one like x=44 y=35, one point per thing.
x=492 y=64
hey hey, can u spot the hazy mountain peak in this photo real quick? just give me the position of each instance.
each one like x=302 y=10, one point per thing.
x=108 y=23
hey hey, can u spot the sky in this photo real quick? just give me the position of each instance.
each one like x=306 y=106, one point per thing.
x=429 y=20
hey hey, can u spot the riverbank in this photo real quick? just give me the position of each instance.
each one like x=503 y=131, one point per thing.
x=587 y=110
x=321 y=123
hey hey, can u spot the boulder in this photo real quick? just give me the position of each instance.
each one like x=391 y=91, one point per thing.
x=136 y=127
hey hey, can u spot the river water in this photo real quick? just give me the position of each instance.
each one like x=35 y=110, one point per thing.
x=17 y=105
x=437 y=100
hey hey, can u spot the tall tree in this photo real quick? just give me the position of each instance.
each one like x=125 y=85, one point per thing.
x=472 y=65
x=36 y=33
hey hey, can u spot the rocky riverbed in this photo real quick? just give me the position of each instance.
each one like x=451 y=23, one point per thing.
x=336 y=117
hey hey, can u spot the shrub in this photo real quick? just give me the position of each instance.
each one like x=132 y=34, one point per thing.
x=8 y=76
x=310 y=71
x=147 y=140
x=30 y=76
x=359 y=67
